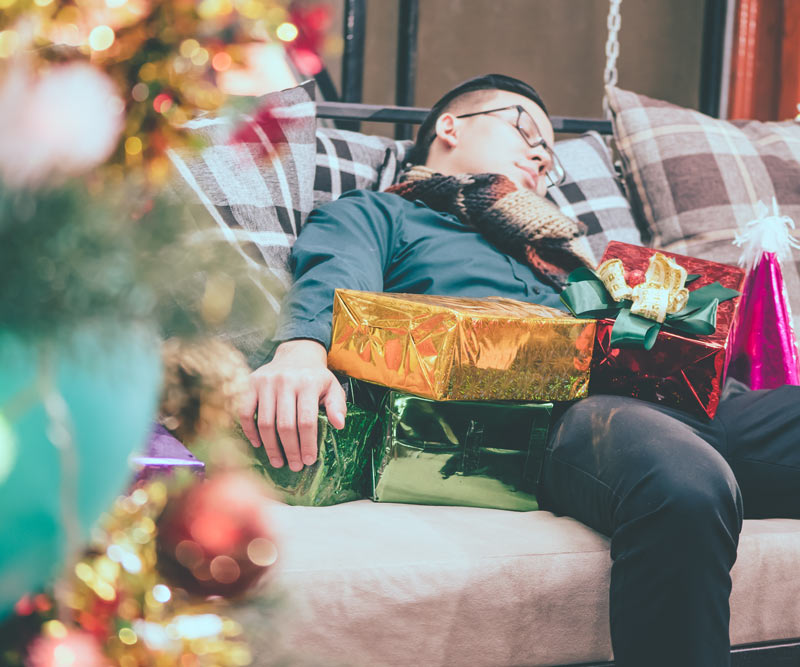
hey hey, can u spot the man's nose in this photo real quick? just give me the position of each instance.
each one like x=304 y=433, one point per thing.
x=542 y=158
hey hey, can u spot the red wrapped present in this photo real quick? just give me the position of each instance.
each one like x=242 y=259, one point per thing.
x=676 y=368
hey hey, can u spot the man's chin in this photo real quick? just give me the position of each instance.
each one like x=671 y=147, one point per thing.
x=529 y=184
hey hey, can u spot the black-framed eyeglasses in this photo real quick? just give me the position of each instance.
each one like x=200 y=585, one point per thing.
x=529 y=131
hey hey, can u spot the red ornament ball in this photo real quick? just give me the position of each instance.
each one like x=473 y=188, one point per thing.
x=216 y=538
x=634 y=277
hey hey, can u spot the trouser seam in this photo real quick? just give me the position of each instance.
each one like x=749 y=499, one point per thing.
x=585 y=474
x=768 y=463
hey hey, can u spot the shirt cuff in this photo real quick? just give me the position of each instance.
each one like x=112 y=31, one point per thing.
x=304 y=329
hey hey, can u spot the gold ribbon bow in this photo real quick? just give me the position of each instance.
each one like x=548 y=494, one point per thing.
x=662 y=293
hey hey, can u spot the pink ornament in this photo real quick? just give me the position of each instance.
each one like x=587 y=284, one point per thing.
x=763 y=351
x=75 y=649
x=61 y=123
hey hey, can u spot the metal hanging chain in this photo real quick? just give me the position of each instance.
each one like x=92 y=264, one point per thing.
x=610 y=73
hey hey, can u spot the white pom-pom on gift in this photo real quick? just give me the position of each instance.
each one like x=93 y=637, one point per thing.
x=767 y=233
x=63 y=122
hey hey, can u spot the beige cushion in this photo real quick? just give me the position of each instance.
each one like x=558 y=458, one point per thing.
x=369 y=584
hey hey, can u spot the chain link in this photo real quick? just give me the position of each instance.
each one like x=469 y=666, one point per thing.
x=610 y=74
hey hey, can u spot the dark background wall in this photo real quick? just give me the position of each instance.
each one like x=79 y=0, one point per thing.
x=557 y=45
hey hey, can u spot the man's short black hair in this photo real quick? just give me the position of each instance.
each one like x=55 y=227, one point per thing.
x=427 y=131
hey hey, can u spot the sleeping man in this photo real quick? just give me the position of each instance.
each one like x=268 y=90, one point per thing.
x=469 y=219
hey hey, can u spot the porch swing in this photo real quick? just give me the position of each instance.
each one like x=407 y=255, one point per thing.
x=348 y=111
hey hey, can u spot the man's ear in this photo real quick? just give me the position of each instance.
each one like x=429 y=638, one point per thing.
x=446 y=129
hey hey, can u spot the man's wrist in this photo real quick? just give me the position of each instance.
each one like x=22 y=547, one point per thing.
x=310 y=349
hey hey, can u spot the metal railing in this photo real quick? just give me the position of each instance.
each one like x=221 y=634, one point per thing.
x=353 y=112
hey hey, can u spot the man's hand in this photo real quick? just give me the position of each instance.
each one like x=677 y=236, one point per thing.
x=286 y=393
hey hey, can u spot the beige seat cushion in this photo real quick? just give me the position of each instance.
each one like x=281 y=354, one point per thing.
x=382 y=584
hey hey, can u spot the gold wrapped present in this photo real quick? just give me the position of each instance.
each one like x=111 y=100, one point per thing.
x=455 y=348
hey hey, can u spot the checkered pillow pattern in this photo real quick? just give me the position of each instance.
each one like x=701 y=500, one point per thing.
x=697 y=179
x=253 y=193
x=353 y=161
x=592 y=193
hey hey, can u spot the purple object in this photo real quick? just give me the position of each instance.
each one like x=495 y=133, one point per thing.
x=763 y=351
x=165 y=454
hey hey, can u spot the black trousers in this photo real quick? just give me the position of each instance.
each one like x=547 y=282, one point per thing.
x=671 y=492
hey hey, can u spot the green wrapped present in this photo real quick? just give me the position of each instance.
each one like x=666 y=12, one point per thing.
x=341 y=471
x=459 y=452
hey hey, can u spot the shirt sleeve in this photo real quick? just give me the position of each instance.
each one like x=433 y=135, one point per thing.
x=344 y=244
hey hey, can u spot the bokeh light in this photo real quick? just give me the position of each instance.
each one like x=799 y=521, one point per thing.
x=148 y=72
x=9 y=41
x=188 y=47
x=162 y=103
x=161 y=593
x=54 y=629
x=200 y=57
x=140 y=92
x=127 y=636
x=209 y=9
x=101 y=38
x=133 y=145
x=221 y=61
x=286 y=32
x=262 y=551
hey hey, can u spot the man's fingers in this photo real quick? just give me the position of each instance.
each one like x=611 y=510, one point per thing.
x=286 y=421
x=335 y=404
x=307 y=411
x=247 y=410
x=266 y=427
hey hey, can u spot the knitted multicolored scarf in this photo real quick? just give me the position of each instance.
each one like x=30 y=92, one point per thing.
x=518 y=222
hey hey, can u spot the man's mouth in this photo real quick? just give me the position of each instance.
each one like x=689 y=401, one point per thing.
x=531 y=177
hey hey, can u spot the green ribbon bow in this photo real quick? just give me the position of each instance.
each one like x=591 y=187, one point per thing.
x=587 y=297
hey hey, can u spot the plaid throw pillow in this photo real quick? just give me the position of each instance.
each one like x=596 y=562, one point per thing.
x=353 y=161
x=698 y=179
x=592 y=193
x=254 y=192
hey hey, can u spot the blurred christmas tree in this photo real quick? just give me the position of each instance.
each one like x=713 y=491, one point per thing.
x=93 y=93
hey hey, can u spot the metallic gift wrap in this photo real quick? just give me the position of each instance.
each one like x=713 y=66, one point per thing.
x=453 y=348
x=459 y=452
x=683 y=371
x=163 y=456
x=341 y=471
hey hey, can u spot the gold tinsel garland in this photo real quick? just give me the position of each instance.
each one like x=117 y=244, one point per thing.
x=120 y=608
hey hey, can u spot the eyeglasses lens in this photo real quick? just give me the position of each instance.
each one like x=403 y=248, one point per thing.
x=530 y=132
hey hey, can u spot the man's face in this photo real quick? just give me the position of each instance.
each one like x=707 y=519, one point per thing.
x=491 y=143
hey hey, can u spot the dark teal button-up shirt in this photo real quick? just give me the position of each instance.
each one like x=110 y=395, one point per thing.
x=380 y=242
